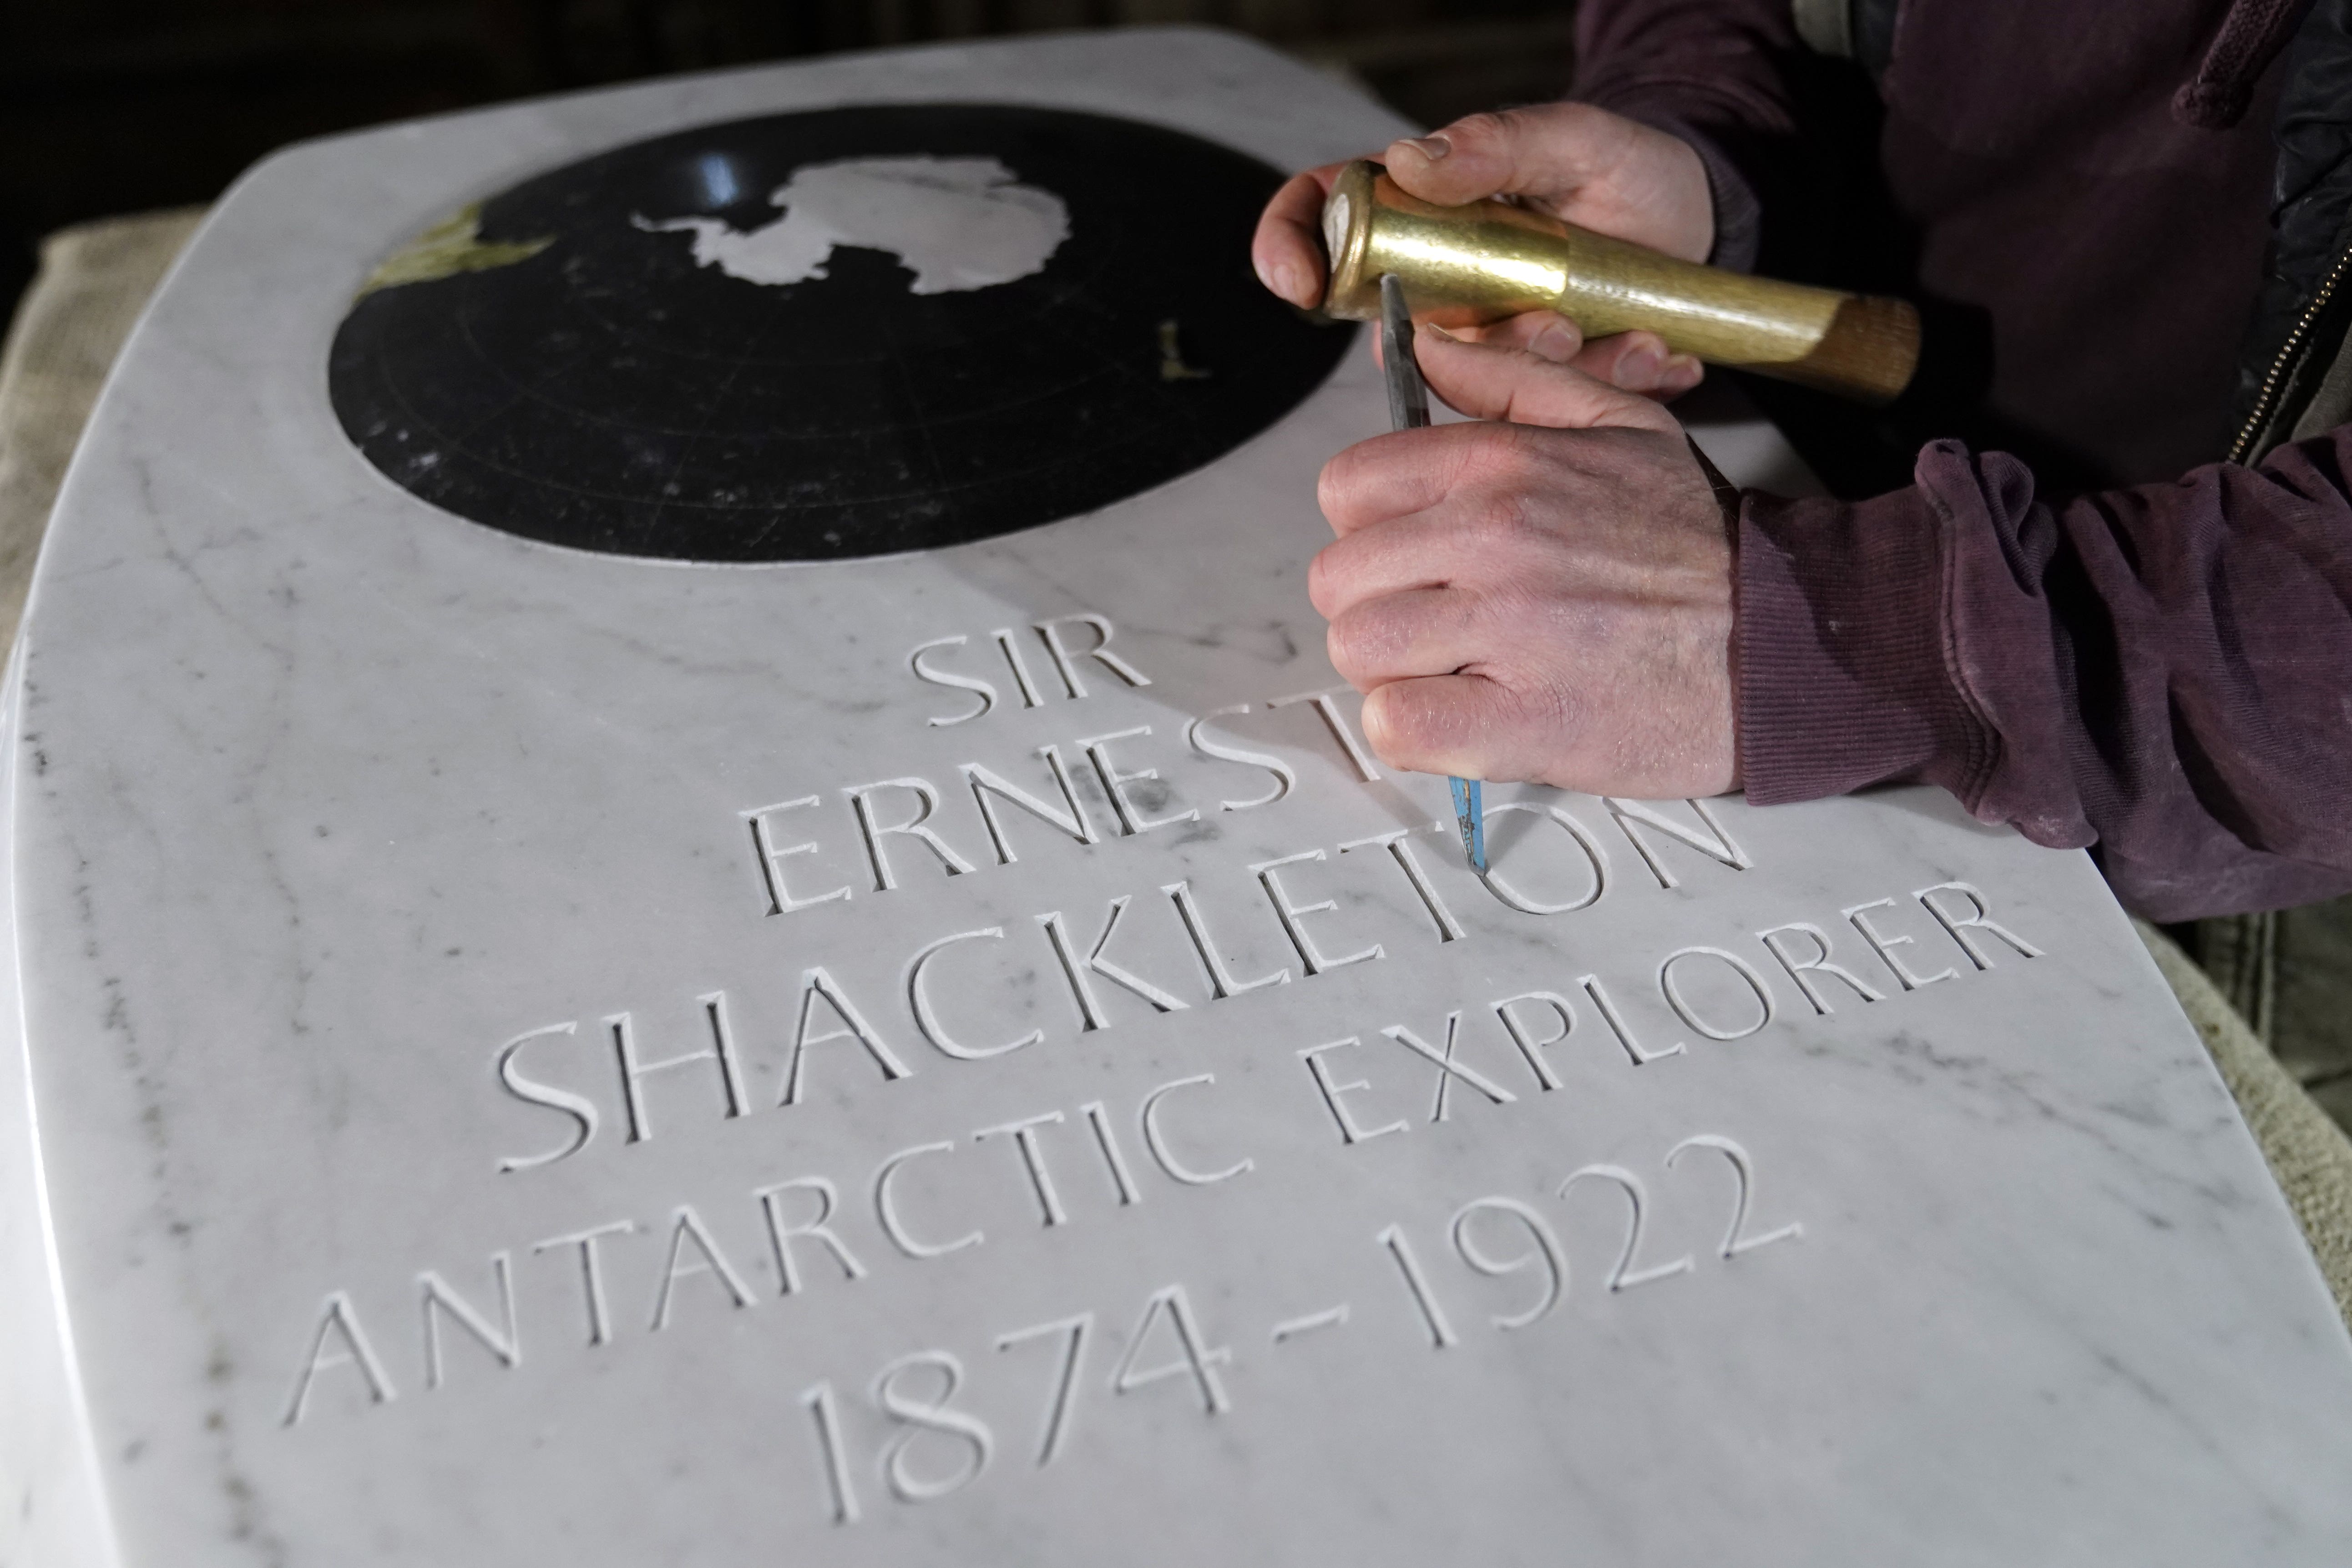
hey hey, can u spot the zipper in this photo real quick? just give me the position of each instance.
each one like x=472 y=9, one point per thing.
x=2267 y=401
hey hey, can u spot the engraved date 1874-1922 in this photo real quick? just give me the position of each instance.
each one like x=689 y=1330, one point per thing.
x=925 y=1446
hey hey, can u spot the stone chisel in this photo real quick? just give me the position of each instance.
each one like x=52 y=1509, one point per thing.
x=1408 y=410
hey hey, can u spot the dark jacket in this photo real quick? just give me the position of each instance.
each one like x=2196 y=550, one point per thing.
x=2087 y=615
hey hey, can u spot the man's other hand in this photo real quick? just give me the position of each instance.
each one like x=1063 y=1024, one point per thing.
x=1583 y=164
x=1543 y=597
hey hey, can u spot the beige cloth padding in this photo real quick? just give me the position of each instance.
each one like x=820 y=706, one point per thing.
x=2308 y=1152
x=94 y=281
x=96 y=278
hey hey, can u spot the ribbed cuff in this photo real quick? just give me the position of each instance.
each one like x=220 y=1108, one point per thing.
x=1842 y=636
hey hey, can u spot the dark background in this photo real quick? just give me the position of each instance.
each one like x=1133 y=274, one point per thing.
x=114 y=106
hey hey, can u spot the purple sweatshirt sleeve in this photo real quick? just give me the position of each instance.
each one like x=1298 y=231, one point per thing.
x=2163 y=672
x=1703 y=70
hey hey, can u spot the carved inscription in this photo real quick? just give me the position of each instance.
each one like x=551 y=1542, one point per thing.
x=1494 y=1053
x=926 y=1445
x=954 y=664
x=1479 y=1228
x=1072 y=1165
x=767 y=1056
x=911 y=829
x=1291 y=903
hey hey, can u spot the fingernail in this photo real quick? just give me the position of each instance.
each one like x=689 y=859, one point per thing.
x=1682 y=373
x=1639 y=369
x=1289 y=284
x=1435 y=330
x=1263 y=277
x=1556 y=342
x=1430 y=147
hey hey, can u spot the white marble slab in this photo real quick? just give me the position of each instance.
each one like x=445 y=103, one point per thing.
x=323 y=799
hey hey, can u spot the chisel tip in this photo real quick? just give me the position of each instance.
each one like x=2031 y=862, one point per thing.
x=1469 y=814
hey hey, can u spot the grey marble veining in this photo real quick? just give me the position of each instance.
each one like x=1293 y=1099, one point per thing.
x=324 y=804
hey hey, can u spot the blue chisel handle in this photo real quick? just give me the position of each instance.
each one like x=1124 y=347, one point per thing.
x=1408 y=410
x=1470 y=815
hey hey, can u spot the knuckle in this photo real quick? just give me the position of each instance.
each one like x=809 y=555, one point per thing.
x=1375 y=631
x=1492 y=455
x=1341 y=481
x=1531 y=447
x=1340 y=645
x=1512 y=484
x=1548 y=122
x=1565 y=127
x=1480 y=129
x=1393 y=722
x=1431 y=725
x=1326 y=581
x=1356 y=642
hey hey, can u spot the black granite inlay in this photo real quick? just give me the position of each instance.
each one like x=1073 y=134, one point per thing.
x=608 y=394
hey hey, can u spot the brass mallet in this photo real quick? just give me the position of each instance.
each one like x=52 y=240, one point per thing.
x=1469 y=265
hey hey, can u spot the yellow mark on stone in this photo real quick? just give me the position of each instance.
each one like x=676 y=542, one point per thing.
x=1171 y=356
x=454 y=244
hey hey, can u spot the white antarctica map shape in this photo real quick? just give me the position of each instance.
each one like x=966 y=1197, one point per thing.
x=954 y=222
x=524 y=1056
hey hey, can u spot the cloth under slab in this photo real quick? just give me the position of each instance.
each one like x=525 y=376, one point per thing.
x=2308 y=1152
x=96 y=278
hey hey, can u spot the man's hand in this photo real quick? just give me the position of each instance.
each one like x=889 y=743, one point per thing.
x=1547 y=599
x=1583 y=164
